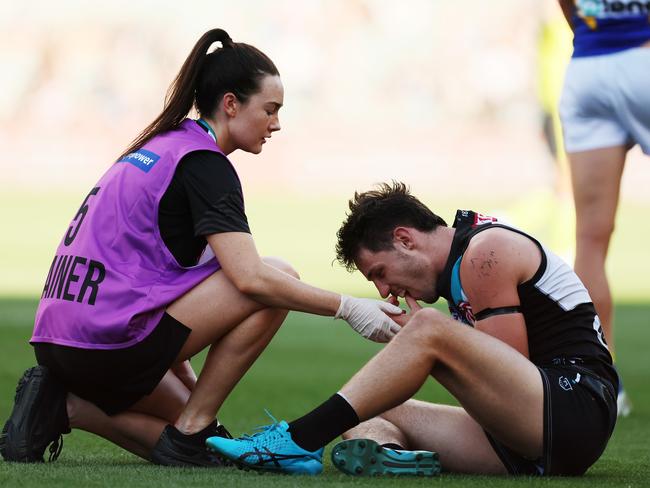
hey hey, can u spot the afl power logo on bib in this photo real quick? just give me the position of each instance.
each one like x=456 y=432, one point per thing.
x=143 y=159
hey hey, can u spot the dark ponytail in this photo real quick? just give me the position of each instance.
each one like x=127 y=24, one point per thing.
x=205 y=78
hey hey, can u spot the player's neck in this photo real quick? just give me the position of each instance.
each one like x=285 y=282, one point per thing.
x=440 y=246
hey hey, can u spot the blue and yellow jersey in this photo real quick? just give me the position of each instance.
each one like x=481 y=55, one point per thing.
x=608 y=26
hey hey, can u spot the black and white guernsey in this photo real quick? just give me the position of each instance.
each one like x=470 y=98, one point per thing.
x=561 y=321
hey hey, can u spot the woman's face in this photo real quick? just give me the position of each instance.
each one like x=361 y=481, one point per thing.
x=255 y=120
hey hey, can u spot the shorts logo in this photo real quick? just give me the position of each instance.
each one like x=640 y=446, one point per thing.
x=142 y=159
x=565 y=383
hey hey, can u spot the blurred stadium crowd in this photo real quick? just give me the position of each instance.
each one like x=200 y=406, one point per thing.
x=429 y=91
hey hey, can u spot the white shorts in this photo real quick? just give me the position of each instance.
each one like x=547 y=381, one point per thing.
x=606 y=101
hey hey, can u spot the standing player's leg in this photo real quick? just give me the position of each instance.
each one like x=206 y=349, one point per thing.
x=596 y=179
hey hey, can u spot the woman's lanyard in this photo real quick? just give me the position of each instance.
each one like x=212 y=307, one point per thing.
x=207 y=127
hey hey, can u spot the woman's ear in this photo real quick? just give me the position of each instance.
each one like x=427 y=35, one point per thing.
x=230 y=104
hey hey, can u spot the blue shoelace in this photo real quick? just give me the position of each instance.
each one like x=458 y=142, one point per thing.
x=263 y=429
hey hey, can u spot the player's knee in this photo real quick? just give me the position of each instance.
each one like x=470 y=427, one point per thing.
x=425 y=317
x=595 y=233
x=425 y=327
x=282 y=265
x=422 y=325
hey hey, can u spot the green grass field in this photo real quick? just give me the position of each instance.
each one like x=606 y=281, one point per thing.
x=302 y=229
x=311 y=356
x=309 y=360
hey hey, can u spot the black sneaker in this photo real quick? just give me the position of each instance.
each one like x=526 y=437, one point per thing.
x=177 y=449
x=38 y=419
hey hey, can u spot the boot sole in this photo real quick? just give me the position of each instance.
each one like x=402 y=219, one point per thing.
x=364 y=457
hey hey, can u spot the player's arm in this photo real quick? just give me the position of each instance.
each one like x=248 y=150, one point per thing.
x=243 y=266
x=494 y=264
x=568 y=7
x=252 y=276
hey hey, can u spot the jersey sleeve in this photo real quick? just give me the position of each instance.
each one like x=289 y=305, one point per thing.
x=214 y=193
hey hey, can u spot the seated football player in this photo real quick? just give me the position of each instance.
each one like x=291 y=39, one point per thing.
x=523 y=353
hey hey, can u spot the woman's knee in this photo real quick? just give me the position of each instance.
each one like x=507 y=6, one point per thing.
x=282 y=265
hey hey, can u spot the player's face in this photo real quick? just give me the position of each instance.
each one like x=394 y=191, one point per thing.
x=258 y=118
x=399 y=272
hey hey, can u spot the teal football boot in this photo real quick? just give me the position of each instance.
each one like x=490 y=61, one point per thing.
x=271 y=449
x=364 y=457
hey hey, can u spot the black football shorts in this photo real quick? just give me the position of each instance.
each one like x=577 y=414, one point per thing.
x=579 y=417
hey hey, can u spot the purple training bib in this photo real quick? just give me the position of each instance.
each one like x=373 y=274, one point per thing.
x=113 y=277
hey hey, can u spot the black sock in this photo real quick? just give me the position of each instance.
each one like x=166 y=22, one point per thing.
x=323 y=424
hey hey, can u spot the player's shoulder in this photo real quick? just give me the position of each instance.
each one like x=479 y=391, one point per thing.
x=499 y=252
x=496 y=238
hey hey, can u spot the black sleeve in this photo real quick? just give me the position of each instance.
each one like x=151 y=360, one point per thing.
x=214 y=193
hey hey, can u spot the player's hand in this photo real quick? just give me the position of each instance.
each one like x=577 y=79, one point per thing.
x=412 y=304
x=402 y=319
x=369 y=317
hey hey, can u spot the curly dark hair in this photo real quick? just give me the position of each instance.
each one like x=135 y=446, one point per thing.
x=374 y=215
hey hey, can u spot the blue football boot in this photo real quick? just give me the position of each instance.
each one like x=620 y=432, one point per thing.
x=271 y=449
x=363 y=457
